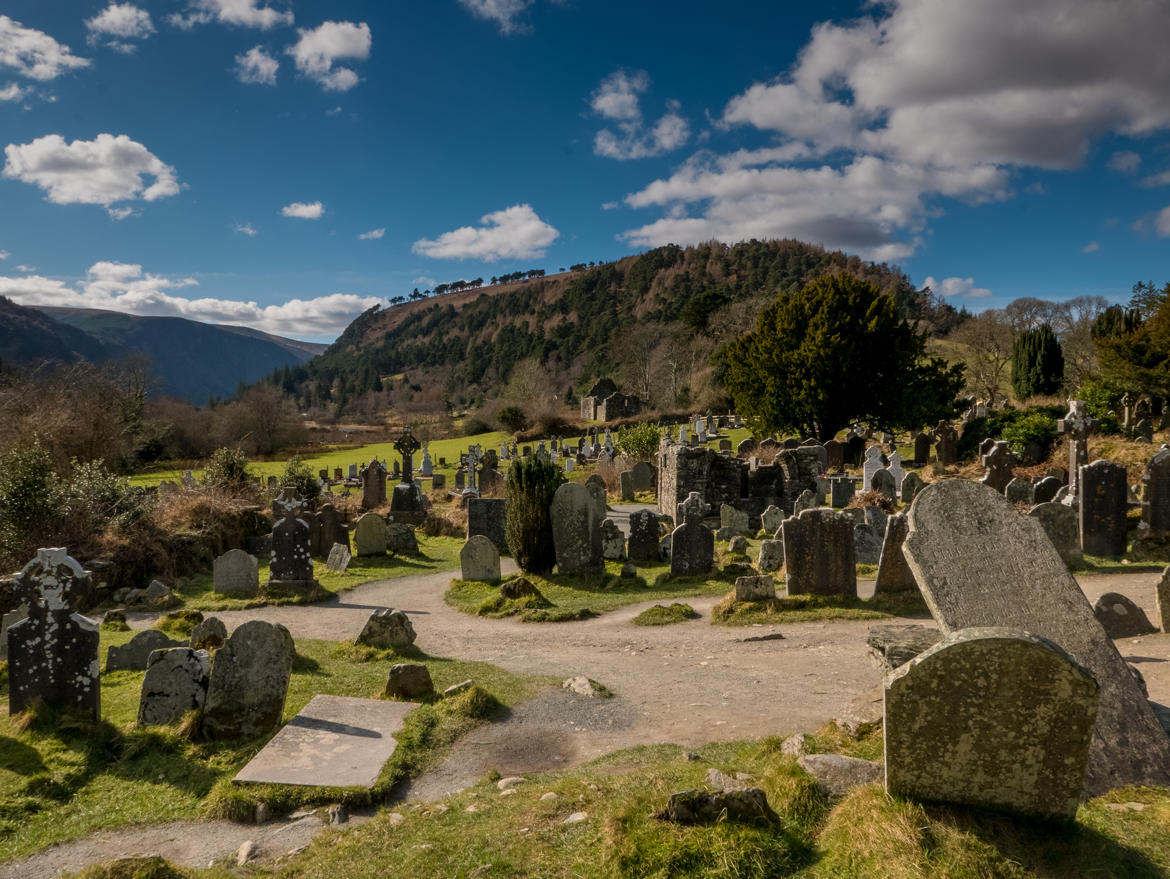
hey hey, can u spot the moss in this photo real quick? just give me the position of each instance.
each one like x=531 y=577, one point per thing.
x=661 y=615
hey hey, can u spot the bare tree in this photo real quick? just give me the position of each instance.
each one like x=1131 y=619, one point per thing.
x=987 y=338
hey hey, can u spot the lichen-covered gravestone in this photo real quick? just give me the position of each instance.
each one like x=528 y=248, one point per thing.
x=369 y=535
x=249 y=681
x=236 y=573
x=576 y=527
x=1103 y=505
x=893 y=573
x=772 y=518
x=644 y=534
x=911 y=484
x=867 y=544
x=480 y=560
x=771 y=556
x=692 y=544
x=818 y=553
x=1162 y=600
x=1019 y=491
x=339 y=559
x=175 y=682
x=134 y=654
x=53 y=653
x=758 y=588
x=1060 y=524
x=806 y=500
x=980 y=563
x=613 y=542
x=489 y=517
x=732 y=521
x=1156 y=495
x=991 y=717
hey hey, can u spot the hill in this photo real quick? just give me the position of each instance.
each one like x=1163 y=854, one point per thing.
x=187 y=358
x=652 y=321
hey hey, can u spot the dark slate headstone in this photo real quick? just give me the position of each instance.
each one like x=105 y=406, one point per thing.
x=841 y=491
x=991 y=717
x=487 y=516
x=332 y=528
x=1156 y=495
x=912 y=483
x=1103 y=504
x=249 y=681
x=745 y=447
x=175 y=682
x=980 y=563
x=1019 y=491
x=642 y=546
x=921 y=449
x=53 y=653
x=818 y=553
x=373 y=477
x=134 y=654
x=692 y=549
x=1120 y=617
x=834 y=456
x=946 y=440
x=643 y=475
x=291 y=569
x=999 y=460
x=854 y=451
x=893 y=573
x=883 y=481
x=1060 y=524
x=1046 y=489
x=867 y=544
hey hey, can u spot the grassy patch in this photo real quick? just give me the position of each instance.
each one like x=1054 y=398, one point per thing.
x=435 y=554
x=61 y=778
x=178 y=623
x=661 y=615
x=808 y=608
x=1105 y=565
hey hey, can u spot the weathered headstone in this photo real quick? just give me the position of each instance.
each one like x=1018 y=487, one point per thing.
x=818 y=553
x=236 y=573
x=249 y=681
x=1120 y=617
x=893 y=573
x=854 y=450
x=991 y=717
x=406 y=501
x=873 y=463
x=208 y=634
x=291 y=569
x=911 y=484
x=896 y=468
x=596 y=487
x=134 y=654
x=772 y=518
x=643 y=474
x=175 y=682
x=339 y=559
x=1162 y=600
x=576 y=527
x=488 y=516
x=1103 y=494
x=409 y=681
x=613 y=542
x=921 y=449
x=692 y=548
x=1019 y=491
x=644 y=536
x=369 y=535
x=626 y=482
x=373 y=477
x=387 y=629
x=745 y=447
x=771 y=556
x=834 y=456
x=1060 y=524
x=53 y=653
x=806 y=500
x=999 y=460
x=883 y=481
x=1046 y=489
x=480 y=560
x=1076 y=425
x=732 y=520
x=1156 y=495
x=332 y=528
x=867 y=544
x=840 y=491
x=946 y=440
x=758 y=588
x=980 y=563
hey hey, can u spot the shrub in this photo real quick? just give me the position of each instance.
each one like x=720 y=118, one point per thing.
x=997 y=425
x=530 y=487
x=27 y=506
x=473 y=426
x=301 y=476
x=227 y=468
x=512 y=418
x=638 y=442
x=1100 y=398
x=1029 y=428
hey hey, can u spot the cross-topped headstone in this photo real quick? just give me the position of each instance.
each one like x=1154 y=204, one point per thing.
x=474 y=454
x=999 y=461
x=1076 y=425
x=406 y=446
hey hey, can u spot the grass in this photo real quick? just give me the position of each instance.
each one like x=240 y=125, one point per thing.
x=435 y=554
x=61 y=778
x=810 y=608
x=661 y=615
x=1106 y=565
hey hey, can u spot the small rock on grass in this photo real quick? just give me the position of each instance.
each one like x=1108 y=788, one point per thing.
x=721 y=781
x=793 y=745
x=704 y=807
x=837 y=775
x=510 y=781
x=583 y=686
x=576 y=818
x=395 y=818
x=456 y=689
x=548 y=796
x=245 y=853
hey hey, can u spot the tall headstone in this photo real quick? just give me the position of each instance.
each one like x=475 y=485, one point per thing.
x=893 y=573
x=480 y=560
x=53 y=653
x=999 y=461
x=946 y=440
x=235 y=573
x=991 y=717
x=643 y=543
x=818 y=553
x=883 y=481
x=911 y=484
x=854 y=450
x=369 y=535
x=291 y=569
x=1077 y=425
x=873 y=463
x=488 y=516
x=840 y=491
x=373 y=478
x=426 y=468
x=772 y=518
x=626 y=480
x=576 y=527
x=1103 y=504
x=692 y=544
x=406 y=502
x=921 y=449
x=732 y=521
x=249 y=681
x=175 y=682
x=332 y=528
x=980 y=563
x=895 y=467
x=643 y=474
x=834 y=456
x=1156 y=495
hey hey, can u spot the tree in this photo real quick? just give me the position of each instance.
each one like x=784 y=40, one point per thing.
x=638 y=442
x=529 y=491
x=834 y=351
x=1037 y=363
x=987 y=338
x=1136 y=356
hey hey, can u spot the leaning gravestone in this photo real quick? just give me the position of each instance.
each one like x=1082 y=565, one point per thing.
x=236 y=573
x=692 y=545
x=339 y=559
x=980 y=563
x=643 y=542
x=911 y=484
x=134 y=654
x=53 y=653
x=771 y=556
x=818 y=553
x=369 y=535
x=1120 y=617
x=867 y=544
x=480 y=560
x=991 y=717
x=249 y=681
x=1103 y=504
x=1060 y=524
x=893 y=573
x=576 y=527
x=1046 y=489
x=175 y=682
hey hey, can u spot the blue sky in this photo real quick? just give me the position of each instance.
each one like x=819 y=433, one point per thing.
x=287 y=164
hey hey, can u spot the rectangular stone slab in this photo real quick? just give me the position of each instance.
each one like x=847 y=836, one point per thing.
x=980 y=563
x=335 y=741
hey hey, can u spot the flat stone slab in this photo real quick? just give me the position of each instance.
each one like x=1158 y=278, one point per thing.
x=335 y=741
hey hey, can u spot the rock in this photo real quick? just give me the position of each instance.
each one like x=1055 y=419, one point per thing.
x=548 y=796
x=703 y=807
x=836 y=775
x=583 y=686
x=114 y=619
x=249 y=681
x=793 y=745
x=456 y=689
x=336 y=814
x=401 y=539
x=758 y=588
x=388 y=629
x=721 y=781
x=409 y=681
x=894 y=646
x=510 y=781
x=737 y=544
x=576 y=818
x=245 y=853
x=517 y=588
x=176 y=682
x=1120 y=617
x=158 y=596
x=1140 y=678
x=209 y=634
x=263 y=814
x=629 y=571
x=135 y=653
x=771 y=556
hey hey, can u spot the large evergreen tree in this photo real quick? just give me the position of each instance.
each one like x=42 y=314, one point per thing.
x=834 y=351
x=1037 y=363
x=1136 y=355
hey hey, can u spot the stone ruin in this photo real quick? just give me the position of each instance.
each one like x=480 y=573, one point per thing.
x=604 y=402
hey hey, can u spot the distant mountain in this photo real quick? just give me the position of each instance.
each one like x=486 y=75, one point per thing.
x=187 y=358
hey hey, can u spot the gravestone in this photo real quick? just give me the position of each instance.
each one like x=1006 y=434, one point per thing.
x=406 y=501
x=694 y=505
x=175 y=682
x=426 y=468
x=438 y=482
x=331 y=527
x=1162 y=600
x=867 y=544
x=626 y=481
x=643 y=474
x=576 y=527
x=613 y=542
x=488 y=516
x=980 y=563
x=875 y=518
x=946 y=439
x=1103 y=495
x=692 y=548
x=401 y=539
x=921 y=449
x=338 y=474
x=873 y=463
x=1143 y=431
x=460 y=480
x=758 y=588
x=834 y=456
x=369 y=535
x=236 y=573
x=818 y=553
x=895 y=467
x=745 y=447
x=991 y=717
x=1156 y=495
x=772 y=518
x=893 y=573
x=291 y=569
x=911 y=484
x=249 y=681
x=883 y=481
x=1077 y=425
x=644 y=535
x=1120 y=617
x=771 y=556
x=387 y=629
x=133 y=655
x=1060 y=524
x=339 y=559
x=480 y=560
x=1046 y=489
x=53 y=652
x=1019 y=491
x=207 y=634
x=841 y=491
x=998 y=460
x=732 y=521
x=373 y=477
x=854 y=450
x=596 y=487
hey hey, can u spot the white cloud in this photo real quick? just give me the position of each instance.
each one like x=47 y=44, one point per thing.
x=372 y=235
x=256 y=67
x=117 y=24
x=915 y=102
x=515 y=232
x=1162 y=178
x=962 y=287
x=1162 y=223
x=304 y=210
x=11 y=92
x=618 y=100
x=242 y=13
x=504 y=13
x=424 y=281
x=617 y=96
x=125 y=287
x=1091 y=247
x=103 y=171
x=24 y=268
x=4 y=254
x=333 y=111
x=317 y=50
x=246 y=229
x=33 y=53
x=122 y=213
x=1124 y=162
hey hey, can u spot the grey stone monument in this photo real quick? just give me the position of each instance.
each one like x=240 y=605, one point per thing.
x=576 y=527
x=1103 y=495
x=249 y=681
x=818 y=553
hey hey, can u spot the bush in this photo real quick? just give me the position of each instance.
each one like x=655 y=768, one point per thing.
x=530 y=487
x=1100 y=398
x=473 y=426
x=227 y=468
x=300 y=476
x=512 y=418
x=638 y=442
x=27 y=506
x=1029 y=428
x=996 y=425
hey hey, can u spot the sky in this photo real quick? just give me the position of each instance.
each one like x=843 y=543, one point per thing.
x=286 y=164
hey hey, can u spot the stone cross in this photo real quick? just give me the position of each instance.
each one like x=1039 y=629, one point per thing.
x=999 y=462
x=426 y=468
x=473 y=456
x=873 y=463
x=1076 y=425
x=895 y=467
x=288 y=503
x=406 y=446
